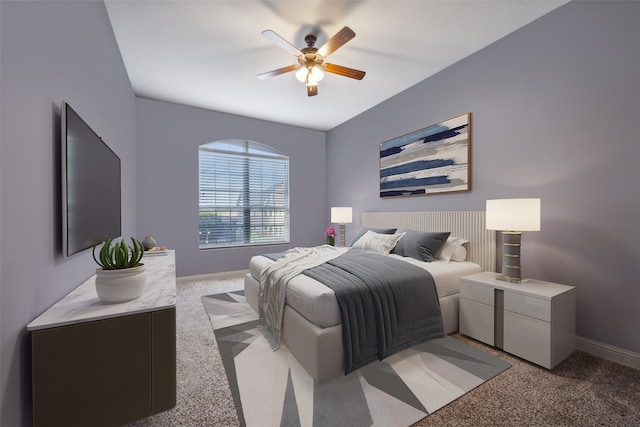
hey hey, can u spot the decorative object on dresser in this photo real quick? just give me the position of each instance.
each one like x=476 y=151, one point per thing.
x=342 y=216
x=95 y=364
x=430 y=160
x=534 y=320
x=149 y=243
x=512 y=216
x=121 y=276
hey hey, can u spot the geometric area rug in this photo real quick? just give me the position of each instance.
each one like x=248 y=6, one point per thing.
x=270 y=388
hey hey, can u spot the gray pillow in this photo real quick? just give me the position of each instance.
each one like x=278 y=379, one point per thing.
x=421 y=245
x=364 y=230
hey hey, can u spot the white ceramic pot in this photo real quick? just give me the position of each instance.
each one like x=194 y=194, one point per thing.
x=120 y=285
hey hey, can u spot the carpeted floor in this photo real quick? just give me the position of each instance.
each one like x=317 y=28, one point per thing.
x=583 y=390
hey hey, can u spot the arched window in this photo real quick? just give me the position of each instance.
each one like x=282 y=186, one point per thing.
x=243 y=194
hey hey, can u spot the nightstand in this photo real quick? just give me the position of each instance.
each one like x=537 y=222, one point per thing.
x=534 y=320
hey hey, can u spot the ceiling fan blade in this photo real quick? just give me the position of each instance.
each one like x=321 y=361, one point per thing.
x=275 y=37
x=312 y=90
x=337 y=41
x=344 y=71
x=277 y=72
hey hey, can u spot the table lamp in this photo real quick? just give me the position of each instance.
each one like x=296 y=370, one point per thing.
x=341 y=216
x=512 y=217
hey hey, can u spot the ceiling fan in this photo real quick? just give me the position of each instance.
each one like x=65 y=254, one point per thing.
x=311 y=60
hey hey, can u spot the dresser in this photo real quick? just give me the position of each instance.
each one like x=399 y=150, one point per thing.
x=97 y=364
x=534 y=320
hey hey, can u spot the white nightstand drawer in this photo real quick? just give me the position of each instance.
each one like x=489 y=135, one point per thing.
x=528 y=305
x=477 y=320
x=475 y=292
x=528 y=338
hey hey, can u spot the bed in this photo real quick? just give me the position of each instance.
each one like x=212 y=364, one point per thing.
x=311 y=327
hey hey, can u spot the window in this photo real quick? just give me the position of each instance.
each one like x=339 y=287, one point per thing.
x=244 y=194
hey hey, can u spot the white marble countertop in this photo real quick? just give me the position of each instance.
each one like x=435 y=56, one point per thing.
x=83 y=305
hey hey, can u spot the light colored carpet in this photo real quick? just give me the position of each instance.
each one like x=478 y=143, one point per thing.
x=583 y=390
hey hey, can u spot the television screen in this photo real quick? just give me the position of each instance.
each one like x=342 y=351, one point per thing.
x=91 y=205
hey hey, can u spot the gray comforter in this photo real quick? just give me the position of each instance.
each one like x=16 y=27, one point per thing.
x=386 y=304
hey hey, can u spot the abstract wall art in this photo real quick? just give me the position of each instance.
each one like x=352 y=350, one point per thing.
x=435 y=159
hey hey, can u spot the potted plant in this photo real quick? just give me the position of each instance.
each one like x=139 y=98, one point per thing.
x=121 y=276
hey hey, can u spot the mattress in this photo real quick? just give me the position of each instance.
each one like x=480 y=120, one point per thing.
x=317 y=303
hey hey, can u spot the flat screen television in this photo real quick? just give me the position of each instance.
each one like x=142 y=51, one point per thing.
x=91 y=193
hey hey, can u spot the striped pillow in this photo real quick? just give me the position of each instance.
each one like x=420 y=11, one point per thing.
x=376 y=242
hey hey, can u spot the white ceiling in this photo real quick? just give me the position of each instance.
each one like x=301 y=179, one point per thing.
x=207 y=54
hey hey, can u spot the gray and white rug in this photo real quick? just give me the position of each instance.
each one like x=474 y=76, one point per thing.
x=272 y=389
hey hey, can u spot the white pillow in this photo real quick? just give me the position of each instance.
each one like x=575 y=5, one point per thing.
x=376 y=242
x=452 y=250
x=460 y=254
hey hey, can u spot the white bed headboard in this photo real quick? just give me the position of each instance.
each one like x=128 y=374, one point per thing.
x=470 y=225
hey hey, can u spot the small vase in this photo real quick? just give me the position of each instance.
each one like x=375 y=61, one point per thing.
x=331 y=240
x=121 y=285
x=149 y=243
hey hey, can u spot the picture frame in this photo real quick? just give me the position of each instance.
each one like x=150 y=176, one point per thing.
x=431 y=160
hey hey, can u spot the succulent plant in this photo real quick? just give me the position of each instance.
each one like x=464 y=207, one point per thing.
x=120 y=255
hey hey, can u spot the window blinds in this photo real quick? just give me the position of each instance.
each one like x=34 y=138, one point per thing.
x=243 y=197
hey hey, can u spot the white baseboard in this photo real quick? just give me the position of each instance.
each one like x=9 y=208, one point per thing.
x=212 y=276
x=609 y=352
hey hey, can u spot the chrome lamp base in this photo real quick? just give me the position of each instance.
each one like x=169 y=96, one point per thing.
x=341 y=228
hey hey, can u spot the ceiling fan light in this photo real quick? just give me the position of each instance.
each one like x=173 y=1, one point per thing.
x=311 y=78
x=317 y=73
x=301 y=74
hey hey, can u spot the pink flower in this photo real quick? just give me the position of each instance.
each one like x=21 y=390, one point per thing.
x=331 y=232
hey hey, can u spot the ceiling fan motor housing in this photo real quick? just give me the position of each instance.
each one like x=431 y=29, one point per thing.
x=310 y=57
x=310 y=40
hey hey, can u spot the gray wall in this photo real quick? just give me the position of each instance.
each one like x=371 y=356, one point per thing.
x=168 y=139
x=50 y=52
x=555 y=114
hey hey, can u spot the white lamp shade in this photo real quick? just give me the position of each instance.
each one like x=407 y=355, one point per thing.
x=301 y=74
x=312 y=75
x=341 y=215
x=513 y=214
x=317 y=73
